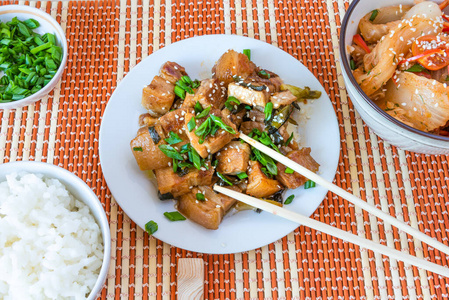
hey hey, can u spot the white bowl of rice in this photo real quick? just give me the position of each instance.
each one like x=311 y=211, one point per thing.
x=54 y=235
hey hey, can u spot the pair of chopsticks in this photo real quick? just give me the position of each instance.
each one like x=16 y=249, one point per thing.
x=355 y=239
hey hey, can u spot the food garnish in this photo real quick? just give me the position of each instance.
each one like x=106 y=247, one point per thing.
x=29 y=60
x=174 y=216
x=151 y=227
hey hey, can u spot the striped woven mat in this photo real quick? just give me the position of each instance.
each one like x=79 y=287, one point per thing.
x=108 y=38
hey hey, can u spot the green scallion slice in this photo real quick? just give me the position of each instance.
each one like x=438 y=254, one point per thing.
x=204 y=113
x=151 y=227
x=200 y=197
x=289 y=171
x=139 y=149
x=309 y=184
x=247 y=52
x=289 y=199
x=173 y=138
x=268 y=111
x=352 y=64
x=174 y=216
x=374 y=14
x=242 y=175
x=170 y=152
x=222 y=177
x=191 y=124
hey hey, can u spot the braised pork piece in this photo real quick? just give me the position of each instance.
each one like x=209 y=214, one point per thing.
x=189 y=137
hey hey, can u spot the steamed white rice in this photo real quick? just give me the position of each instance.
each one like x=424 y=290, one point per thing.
x=50 y=244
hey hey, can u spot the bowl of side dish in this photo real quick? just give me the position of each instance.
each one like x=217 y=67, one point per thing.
x=396 y=130
x=39 y=55
x=55 y=226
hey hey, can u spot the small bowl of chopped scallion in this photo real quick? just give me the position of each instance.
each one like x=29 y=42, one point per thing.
x=33 y=55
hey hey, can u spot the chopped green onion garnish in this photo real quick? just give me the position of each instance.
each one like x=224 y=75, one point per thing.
x=373 y=15
x=352 y=64
x=231 y=99
x=186 y=79
x=222 y=177
x=138 y=149
x=170 y=152
x=289 y=171
x=191 y=125
x=247 y=52
x=268 y=111
x=198 y=108
x=173 y=139
x=174 y=216
x=151 y=227
x=175 y=165
x=200 y=197
x=264 y=74
x=242 y=175
x=204 y=113
x=309 y=184
x=218 y=121
x=195 y=158
x=180 y=92
x=289 y=199
x=289 y=140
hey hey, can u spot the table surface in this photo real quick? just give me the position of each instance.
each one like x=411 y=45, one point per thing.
x=108 y=38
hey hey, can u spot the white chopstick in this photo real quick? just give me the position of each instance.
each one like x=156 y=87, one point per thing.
x=345 y=195
x=349 y=237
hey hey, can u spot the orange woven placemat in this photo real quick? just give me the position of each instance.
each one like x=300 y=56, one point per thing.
x=108 y=38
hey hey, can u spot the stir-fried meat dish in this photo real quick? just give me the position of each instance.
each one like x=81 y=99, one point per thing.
x=400 y=60
x=190 y=136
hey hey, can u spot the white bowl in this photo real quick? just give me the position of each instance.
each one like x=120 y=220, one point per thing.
x=384 y=125
x=81 y=191
x=47 y=24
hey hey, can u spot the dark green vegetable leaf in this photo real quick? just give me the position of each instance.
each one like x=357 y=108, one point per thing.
x=151 y=227
x=416 y=68
x=174 y=216
x=139 y=149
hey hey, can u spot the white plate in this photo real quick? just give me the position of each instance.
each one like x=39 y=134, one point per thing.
x=137 y=196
